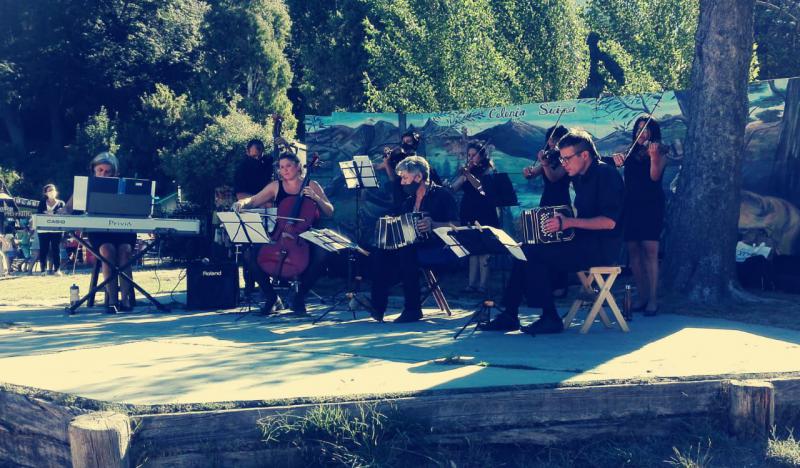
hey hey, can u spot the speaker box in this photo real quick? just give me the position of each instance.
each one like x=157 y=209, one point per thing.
x=212 y=285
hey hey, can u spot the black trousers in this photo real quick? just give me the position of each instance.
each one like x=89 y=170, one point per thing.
x=533 y=278
x=50 y=243
x=403 y=265
x=306 y=279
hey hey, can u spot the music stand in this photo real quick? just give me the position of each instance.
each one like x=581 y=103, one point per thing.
x=359 y=174
x=479 y=240
x=332 y=241
x=243 y=228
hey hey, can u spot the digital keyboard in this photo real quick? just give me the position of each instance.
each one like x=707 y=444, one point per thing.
x=91 y=223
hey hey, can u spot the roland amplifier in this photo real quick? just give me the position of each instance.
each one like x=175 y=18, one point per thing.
x=212 y=285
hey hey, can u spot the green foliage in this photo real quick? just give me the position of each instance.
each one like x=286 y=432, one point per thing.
x=777 y=33
x=245 y=43
x=210 y=159
x=327 y=54
x=656 y=35
x=9 y=178
x=98 y=134
x=783 y=452
x=545 y=42
x=432 y=56
x=334 y=436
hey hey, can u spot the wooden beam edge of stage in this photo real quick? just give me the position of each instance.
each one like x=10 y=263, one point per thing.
x=36 y=428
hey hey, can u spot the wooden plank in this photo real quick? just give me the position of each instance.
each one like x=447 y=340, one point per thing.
x=515 y=416
x=787 y=391
x=100 y=440
x=33 y=431
x=752 y=408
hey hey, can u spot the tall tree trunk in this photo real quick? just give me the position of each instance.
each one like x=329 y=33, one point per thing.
x=701 y=246
x=786 y=170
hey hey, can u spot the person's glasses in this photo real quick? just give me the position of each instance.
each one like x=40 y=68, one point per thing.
x=565 y=159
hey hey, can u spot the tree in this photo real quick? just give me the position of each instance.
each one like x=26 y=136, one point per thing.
x=430 y=56
x=654 y=37
x=785 y=177
x=327 y=55
x=245 y=45
x=210 y=159
x=777 y=33
x=702 y=236
x=545 y=43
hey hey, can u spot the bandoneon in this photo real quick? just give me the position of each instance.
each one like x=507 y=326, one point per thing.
x=394 y=232
x=533 y=225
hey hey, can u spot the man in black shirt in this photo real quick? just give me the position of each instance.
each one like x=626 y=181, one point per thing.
x=440 y=209
x=254 y=172
x=598 y=237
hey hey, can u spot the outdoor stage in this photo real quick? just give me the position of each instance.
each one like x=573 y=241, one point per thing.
x=196 y=383
x=204 y=357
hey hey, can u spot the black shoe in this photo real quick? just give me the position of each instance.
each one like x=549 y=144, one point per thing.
x=299 y=305
x=377 y=315
x=268 y=307
x=408 y=316
x=544 y=326
x=503 y=322
x=651 y=313
x=112 y=309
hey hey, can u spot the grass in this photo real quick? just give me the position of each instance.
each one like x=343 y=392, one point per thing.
x=333 y=437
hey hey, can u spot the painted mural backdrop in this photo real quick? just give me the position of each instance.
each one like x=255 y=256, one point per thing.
x=771 y=176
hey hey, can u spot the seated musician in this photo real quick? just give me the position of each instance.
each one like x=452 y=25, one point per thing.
x=115 y=247
x=289 y=183
x=439 y=208
x=598 y=237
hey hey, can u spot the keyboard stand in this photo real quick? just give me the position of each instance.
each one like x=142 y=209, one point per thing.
x=115 y=272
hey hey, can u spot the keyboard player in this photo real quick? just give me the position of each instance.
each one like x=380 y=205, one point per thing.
x=114 y=246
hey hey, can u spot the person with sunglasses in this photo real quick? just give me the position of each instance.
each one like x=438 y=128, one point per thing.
x=598 y=237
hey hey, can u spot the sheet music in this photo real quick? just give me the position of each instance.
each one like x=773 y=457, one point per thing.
x=250 y=222
x=328 y=239
x=445 y=233
x=364 y=164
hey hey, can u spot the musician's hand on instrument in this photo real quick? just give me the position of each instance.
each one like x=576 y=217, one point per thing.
x=654 y=150
x=310 y=193
x=527 y=172
x=425 y=224
x=239 y=204
x=555 y=224
x=619 y=159
x=541 y=156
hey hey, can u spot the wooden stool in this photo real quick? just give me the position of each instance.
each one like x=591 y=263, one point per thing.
x=604 y=277
x=436 y=291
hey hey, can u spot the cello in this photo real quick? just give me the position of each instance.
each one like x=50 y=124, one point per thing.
x=288 y=256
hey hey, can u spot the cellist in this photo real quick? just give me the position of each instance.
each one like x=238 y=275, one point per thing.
x=290 y=181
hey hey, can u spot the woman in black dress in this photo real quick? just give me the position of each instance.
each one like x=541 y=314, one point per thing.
x=644 y=209
x=477 y=207
x=555 y=178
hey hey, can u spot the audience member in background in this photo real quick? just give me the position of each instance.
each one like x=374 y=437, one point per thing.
x=50 y=241
x=33 y=260
x=24 y=242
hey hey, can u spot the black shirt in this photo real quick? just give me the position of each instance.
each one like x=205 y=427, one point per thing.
x=555 y=193
x=252 y=175
x=437 y=203
x=600 y=192
x=477 y=207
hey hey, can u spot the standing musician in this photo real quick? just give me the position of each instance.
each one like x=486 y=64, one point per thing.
x=117 y=247
x=409 y=141
x=290 y=172
x=598 y=201
x=644 y=208
x=254 y=172
x=556 y=187
x=556 y=181
x=440 y=210
x=478 y=206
